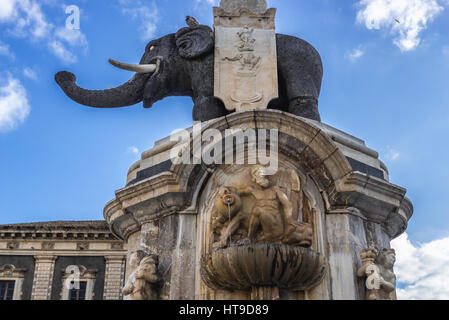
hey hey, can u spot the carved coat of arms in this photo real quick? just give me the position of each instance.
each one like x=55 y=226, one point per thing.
x=245 y=60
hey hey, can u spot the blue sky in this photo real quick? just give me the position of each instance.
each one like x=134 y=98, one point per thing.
x=386 y=80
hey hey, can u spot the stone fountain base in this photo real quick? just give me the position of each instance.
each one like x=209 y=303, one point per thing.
x=253 y=267
x=336 y=185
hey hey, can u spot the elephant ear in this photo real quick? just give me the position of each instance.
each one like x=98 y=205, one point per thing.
x=194 y=42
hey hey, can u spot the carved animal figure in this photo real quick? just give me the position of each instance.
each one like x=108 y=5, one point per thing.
x=226 y=214
x=182 y=64
x=227 y=204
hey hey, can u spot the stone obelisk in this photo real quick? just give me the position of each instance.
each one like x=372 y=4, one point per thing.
x=245 y=54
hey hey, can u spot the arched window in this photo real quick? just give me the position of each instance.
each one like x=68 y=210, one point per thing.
x=11 y=280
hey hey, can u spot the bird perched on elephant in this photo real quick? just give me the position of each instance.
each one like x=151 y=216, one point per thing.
x=182 y=64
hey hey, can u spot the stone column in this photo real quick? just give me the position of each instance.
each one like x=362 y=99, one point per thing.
x=43 y=277
x=183 y=260
x=346 y=238
x=114 y=277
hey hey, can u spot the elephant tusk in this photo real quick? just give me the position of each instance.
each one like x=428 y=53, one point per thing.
x=139 y=68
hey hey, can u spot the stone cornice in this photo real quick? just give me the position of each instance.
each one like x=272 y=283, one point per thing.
x=83 y=235
x=303 y=143
x=58 y=253
x=378 y=201
x=58 y=230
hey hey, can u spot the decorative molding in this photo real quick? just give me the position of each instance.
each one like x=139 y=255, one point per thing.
x=47 y=245
x=10 y=271
x=13 y=245
x=82 y=246
x=117 y=246
x=55 y=235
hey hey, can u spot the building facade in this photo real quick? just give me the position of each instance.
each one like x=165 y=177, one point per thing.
x=61 y=261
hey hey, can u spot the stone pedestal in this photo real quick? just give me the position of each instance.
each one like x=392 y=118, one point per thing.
x=337 y=187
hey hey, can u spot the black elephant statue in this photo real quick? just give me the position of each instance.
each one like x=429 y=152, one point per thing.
x=182 y=64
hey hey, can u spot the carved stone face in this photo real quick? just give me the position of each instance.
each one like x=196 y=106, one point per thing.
x=387 y=258
x=259 y=177
x=390 y=259
x=134 y=259
x=228 y=200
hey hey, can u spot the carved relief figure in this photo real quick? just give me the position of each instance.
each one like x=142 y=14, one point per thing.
x=259 y=226
x=273 y=214
x=270 y=217
x=377 y=267
x=141 y=284
x=227 y=216
x=246 y=57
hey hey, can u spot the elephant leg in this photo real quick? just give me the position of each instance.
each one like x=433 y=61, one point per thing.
x=306 y=107
x=208 y=108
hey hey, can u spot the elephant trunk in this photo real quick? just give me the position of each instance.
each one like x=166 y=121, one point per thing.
x=127 y=94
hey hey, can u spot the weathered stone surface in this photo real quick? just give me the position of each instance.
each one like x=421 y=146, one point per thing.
x=142 y=284
x=185 y=193
x=263 y=265
x=245 y=72
x=256 y=6
x=182 y=281
x=346 y=237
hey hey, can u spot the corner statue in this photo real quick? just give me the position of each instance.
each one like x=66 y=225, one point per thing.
x=377 y=268
x=142 y=282
x=182 y=64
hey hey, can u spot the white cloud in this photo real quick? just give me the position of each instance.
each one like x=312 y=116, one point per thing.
x=422 y=271
x=355 y=54
x=391 y=154
x=14 y=106
x=395 y=156
x=133 y=150
x=72 y=37
x=59 y=50
x=446 y=50
x=146 y=13
x=5 y=51
x=7 y=8
x=210 y=2
x=26 y=19
x=404 y=19
x=30 y=73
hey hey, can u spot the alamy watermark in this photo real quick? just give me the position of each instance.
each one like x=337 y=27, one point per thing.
x=373 y=281
x=73 y=280
x=73 y=21
x=211 y=147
